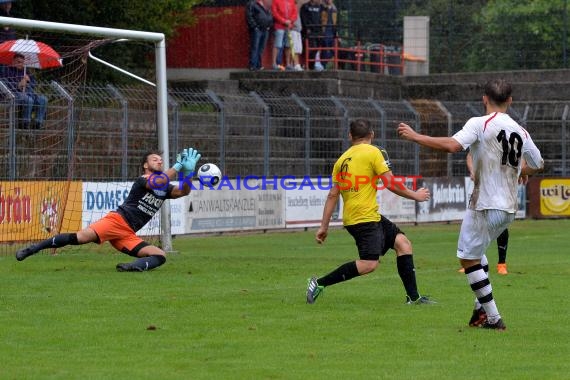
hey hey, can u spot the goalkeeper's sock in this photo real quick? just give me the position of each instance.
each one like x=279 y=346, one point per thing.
x=149 y=262
x=407 y=273
x=343 y=273
x=57 y=241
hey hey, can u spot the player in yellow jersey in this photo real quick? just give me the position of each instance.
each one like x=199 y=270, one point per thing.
x=355 y=177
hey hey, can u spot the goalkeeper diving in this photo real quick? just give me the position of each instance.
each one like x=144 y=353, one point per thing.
x=119 y=227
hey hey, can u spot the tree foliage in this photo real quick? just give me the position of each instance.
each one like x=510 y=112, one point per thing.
x=453 y=30
x=526 y=35
x=471 y=35
x=465 y=35
x=163 y=16
x=485 y=35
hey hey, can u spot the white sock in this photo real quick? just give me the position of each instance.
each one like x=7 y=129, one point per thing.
x=481 y=286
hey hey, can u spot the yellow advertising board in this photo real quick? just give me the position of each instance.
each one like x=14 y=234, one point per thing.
x=555 y=197
x=34 y=210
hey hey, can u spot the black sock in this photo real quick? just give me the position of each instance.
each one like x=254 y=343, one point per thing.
x=407 y=273
x=57 y=241
x=502 y=245
x=149 y=262
x=343 y=273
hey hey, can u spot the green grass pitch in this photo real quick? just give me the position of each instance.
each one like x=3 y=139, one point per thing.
x=233 y=307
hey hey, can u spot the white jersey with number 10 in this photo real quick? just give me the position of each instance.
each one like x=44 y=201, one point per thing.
x=497 y=144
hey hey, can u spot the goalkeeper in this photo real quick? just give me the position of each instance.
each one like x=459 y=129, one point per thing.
x=119 y=227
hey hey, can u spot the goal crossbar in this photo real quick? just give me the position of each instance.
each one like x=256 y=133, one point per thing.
x=81 y=29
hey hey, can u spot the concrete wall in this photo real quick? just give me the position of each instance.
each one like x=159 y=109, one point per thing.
x=536 y=85
x=325 y=83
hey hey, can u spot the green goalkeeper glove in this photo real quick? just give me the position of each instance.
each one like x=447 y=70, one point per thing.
x=189 y=164
x=180 y=158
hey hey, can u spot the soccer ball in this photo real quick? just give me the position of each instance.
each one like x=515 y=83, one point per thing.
x=209 y=175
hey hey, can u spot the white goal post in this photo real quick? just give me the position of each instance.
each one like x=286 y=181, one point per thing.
x=162 y=104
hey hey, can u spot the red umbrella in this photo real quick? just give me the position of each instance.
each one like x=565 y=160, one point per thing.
x=37 y=54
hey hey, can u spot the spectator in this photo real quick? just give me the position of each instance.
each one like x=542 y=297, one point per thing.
x=297 y=44
x=329 y=19
x=284 y=16
x=23 y=85
x=311 y=28
x=259 y=21
x=6 y=33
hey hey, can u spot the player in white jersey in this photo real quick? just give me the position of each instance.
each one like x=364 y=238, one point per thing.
x=503 y=239
x=497 y=144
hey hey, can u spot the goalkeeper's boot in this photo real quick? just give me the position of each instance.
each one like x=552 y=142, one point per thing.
x=499 y=325
x=502 y=269
x=314 y=290
x=25 y=252
x=478 y=318
x=128 y=267
x=422 y=300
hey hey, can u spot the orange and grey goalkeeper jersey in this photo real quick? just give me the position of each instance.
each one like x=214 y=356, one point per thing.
x=354 y=173
x=141 y=203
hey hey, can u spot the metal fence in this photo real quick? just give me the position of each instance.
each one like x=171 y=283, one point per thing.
x=100 y=132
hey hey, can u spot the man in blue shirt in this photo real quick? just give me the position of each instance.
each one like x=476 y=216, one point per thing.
x=23 y=85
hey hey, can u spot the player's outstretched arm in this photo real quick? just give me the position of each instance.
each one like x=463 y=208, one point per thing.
x=446 y=144
x=172 y=172
x=420 y=195
x=398 y=187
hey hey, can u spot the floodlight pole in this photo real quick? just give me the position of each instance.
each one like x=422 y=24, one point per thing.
x=162 y=104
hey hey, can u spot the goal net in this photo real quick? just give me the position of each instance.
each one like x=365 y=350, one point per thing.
x=71 y=147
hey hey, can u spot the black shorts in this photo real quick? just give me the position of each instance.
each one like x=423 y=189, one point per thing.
x=374 y=239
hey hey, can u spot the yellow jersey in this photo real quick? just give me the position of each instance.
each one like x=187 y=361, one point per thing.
x=356 y=173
